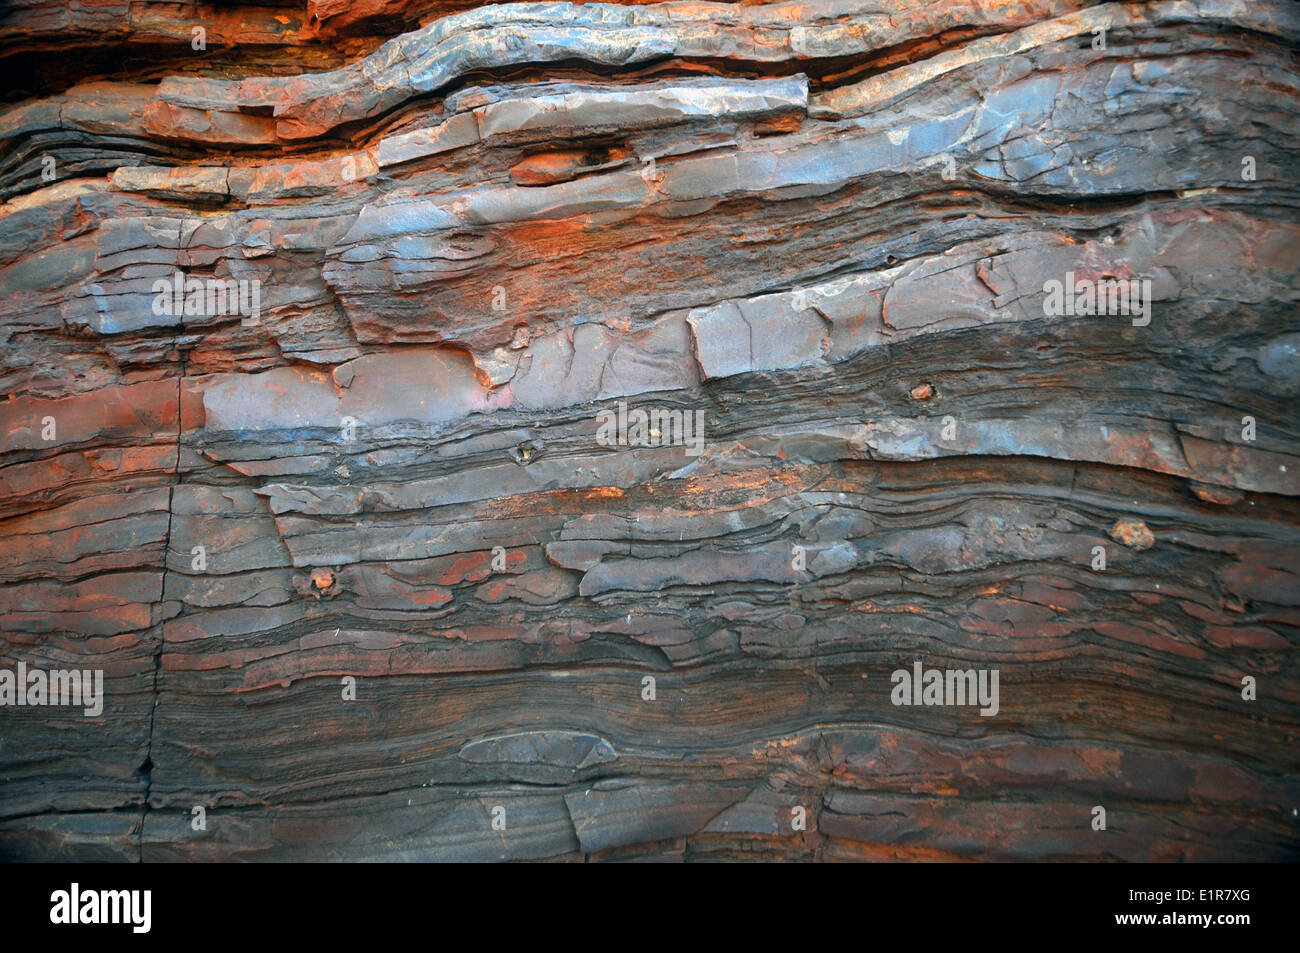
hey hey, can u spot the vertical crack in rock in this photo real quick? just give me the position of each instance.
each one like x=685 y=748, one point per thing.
x=147 y=766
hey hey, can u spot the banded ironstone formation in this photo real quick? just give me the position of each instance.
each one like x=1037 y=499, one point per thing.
x=343 y=352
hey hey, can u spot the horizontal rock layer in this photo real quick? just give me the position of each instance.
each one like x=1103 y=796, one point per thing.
x=317 y=348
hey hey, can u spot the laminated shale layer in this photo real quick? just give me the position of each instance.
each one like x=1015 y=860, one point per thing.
x=564 y=431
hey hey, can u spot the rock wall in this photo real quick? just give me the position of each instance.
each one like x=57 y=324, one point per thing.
x=554 y=431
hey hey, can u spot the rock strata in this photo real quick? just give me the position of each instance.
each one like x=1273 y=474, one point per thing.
x=359 y=367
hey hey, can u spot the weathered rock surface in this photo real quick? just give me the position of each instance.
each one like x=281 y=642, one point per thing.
x=434 y=242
